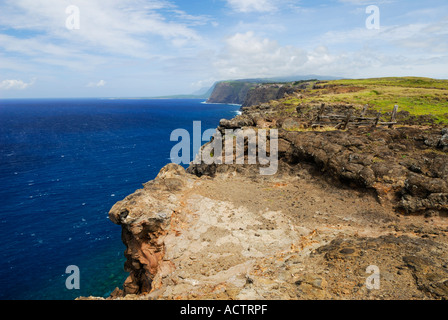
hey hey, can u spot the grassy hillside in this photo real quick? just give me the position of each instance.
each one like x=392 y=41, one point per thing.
x=418 y=96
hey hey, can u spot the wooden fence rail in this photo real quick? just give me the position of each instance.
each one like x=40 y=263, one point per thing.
x=343 y=121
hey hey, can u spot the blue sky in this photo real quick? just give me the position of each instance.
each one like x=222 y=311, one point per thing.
x=142 y=48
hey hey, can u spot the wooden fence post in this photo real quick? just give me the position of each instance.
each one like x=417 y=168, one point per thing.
x=377 y=120
x=347 y=120
x=343 y=121
x=321 y=111
x=363 y=113
x=394 y=116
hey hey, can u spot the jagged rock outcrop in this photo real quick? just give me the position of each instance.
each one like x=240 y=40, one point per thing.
x=407 y=167
x=290 y=236
x=339 y=204
x=146 y=217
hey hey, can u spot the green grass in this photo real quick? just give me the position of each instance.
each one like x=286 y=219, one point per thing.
x=418 y=96
x=407 y=82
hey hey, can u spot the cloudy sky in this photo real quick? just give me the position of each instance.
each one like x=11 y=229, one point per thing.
x=142 y=48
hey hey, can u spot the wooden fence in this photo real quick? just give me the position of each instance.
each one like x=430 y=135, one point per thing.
x=344 y=121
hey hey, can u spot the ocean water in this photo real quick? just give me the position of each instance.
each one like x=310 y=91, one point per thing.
x=63 y=165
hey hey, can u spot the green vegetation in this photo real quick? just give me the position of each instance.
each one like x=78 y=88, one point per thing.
x=239 y=84
x=407 y=82
x=418 y=96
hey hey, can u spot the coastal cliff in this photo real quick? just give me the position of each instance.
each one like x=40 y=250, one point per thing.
x=230 y=92
x=341 y=202
x=252 y=93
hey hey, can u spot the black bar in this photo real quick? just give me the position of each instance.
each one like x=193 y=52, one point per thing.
x=127 y=310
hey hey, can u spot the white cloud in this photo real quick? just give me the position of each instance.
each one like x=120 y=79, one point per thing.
x=98 y=84
x=252 y=5
x=15 y=84
x=366 y=2
x=421 y=37
x=125 y=27
x=248 y=56
x=266 y=6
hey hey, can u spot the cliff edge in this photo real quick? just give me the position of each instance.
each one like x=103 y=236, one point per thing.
x=230 y=92
x=250 y=93
x=343 y=205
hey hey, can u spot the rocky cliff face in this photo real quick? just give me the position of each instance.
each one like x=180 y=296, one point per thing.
x=343 y=203
x=230 y=92
x=249 y=94
x=267 y=92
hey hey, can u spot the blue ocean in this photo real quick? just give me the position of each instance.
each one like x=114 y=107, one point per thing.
x=63 y=164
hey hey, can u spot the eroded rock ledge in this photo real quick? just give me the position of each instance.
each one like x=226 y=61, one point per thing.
x=341 y=201
x=283 y=237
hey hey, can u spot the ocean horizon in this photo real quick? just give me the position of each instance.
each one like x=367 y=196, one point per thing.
x=63 y=164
